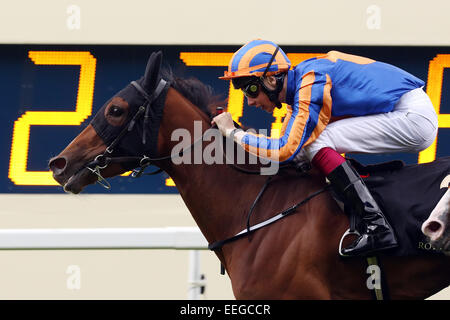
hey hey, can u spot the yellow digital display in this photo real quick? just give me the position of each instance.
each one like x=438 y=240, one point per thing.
x=19 y=174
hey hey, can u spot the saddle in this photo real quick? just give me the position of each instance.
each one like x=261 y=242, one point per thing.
x=406 y=194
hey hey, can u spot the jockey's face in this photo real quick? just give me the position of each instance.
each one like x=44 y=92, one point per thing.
x=261 y=101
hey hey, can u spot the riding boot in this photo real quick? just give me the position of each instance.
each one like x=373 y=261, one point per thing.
x=375 y=232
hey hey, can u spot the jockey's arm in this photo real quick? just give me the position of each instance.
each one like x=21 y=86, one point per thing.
x=304 y=121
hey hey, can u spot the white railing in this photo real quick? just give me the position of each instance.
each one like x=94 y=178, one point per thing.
x=179 y=238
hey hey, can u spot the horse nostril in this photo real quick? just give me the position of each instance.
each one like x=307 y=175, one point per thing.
x=434 y=226
x=433 y=229
x=57 y=165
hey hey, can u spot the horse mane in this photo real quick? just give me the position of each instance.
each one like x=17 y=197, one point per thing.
x=198 y=93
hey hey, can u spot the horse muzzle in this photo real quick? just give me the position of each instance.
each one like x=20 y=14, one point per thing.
x=73 y=180
x=58 y=165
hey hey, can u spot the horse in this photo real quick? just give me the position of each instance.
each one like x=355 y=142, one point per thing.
x=293 y=258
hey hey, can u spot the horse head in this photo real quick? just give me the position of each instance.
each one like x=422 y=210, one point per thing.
x=118 y=130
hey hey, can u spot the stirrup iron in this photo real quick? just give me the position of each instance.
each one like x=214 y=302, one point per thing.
x=347 y=233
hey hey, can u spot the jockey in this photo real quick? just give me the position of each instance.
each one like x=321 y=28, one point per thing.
x=379 y=109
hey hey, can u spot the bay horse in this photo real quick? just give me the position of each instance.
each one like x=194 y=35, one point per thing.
x=293 y=258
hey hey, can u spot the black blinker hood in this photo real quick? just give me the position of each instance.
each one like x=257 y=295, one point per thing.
x=131 y=143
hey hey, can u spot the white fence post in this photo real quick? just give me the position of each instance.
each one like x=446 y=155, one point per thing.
x=196 y=283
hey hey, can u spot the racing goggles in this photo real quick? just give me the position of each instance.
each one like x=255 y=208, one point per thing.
x=251 y=90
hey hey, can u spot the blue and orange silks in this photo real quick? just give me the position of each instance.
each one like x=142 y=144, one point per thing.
x=252 y=60
x=336 y=84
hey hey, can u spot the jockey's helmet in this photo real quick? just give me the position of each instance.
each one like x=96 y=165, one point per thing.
x=252 y=62
x=253 y=58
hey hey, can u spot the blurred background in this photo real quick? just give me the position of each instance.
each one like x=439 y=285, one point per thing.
x=42 y=79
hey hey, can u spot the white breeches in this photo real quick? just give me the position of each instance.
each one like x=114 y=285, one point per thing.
x=411 y=127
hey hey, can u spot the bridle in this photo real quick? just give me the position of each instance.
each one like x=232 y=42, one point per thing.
x=104 y=160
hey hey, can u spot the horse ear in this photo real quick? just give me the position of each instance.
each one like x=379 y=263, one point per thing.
x=151 y=75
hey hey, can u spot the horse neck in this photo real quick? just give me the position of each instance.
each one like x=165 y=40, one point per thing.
x=203 y=187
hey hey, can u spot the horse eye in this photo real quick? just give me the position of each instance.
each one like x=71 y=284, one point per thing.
x=115 y=111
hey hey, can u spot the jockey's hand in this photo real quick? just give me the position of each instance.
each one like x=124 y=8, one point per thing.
x=224 y=122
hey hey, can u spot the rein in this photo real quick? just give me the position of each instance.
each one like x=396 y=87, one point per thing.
x=103 y=160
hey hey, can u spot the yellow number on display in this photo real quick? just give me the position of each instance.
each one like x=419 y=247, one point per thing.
x=18 y=172
x=434 y=91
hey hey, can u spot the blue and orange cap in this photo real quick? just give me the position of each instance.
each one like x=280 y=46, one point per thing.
x=253 y=58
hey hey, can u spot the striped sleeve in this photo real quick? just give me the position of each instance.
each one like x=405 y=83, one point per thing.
x=305 y=121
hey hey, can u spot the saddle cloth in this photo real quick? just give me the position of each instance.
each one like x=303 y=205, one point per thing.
x=407 y=194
